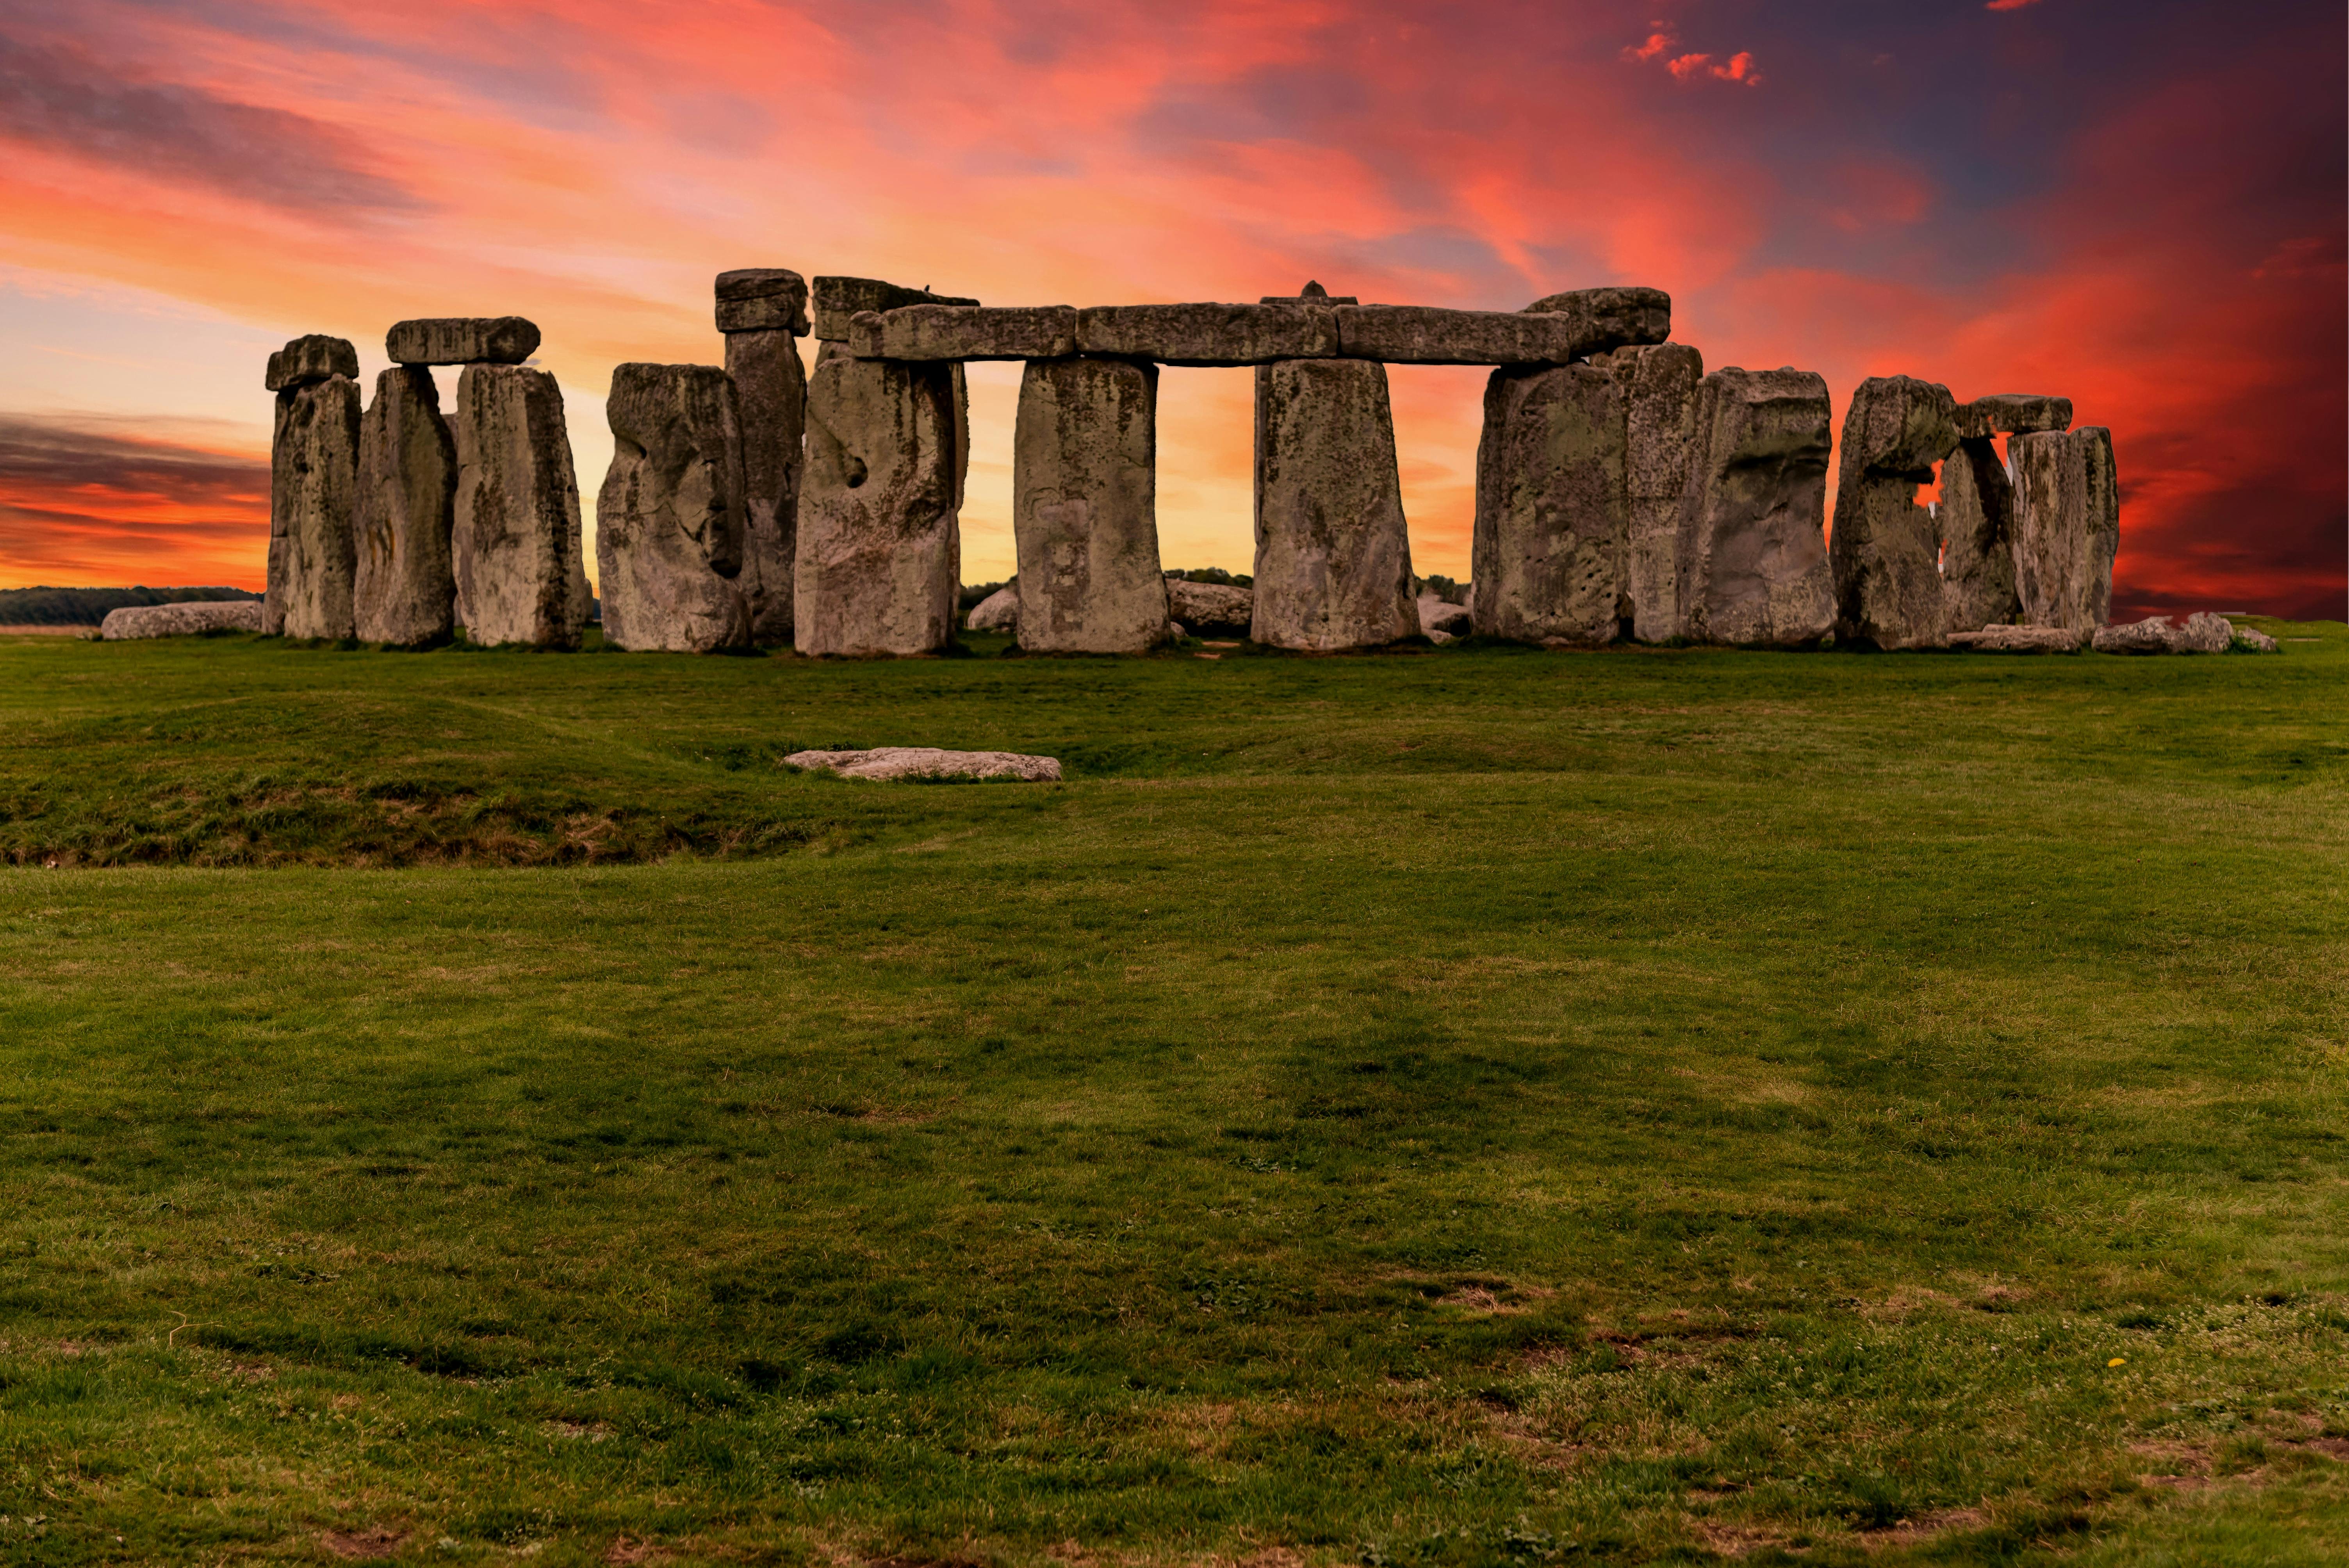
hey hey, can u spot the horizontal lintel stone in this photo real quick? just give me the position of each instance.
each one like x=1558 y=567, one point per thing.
x=1207 y=334
x=316 y=358
x=840 y=301
x=1430 y=334
x=931 y=332
x=2013 y=414
x=762 y=299
x=461 y=340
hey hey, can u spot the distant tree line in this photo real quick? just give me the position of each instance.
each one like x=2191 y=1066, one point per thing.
x=88 y=606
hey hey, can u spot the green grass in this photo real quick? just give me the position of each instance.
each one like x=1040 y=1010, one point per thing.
x=1475 y=1108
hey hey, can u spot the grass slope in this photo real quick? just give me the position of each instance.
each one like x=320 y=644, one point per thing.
x=1475 y=1108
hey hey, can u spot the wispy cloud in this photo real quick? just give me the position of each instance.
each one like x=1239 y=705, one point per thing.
x=94 y=501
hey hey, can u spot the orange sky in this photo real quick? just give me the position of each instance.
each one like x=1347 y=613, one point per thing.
x=2139 y=206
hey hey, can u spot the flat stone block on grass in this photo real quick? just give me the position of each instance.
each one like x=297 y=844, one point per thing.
x=521 y=576
x=406 y=591
x=882 y=763
x=314 y=469
x=1333 y=555
x=669 y=519
x=2020 y=640
x=133 y=623
x=1085 y=506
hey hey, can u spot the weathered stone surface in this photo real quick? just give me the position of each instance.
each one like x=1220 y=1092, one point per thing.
x=1753 y=555
x=879 y=557
x=133 y=622
x=1085 y=506
x=1552 y=511
x=312 y=358
x=669 y=519
x=1659 y=384
x=520 y=577
x=2256 y=641
x=2067 y=525
x=1439 y=616
x=1210 y=608
x=1208 y=334
x=1333 y=556
x=840 y=301
x=2201 y=633
x=771 y=393
x=762 y=299
x=1976 y=521
x=461 y=340
x=2001 y=639
x=924 y=332
x=314 y=469
x=1886 y=549
x=998 y=612
x=2012 y=413
x=928 y=762
x=406 y=587
x=1312 y=294
x=1427 y=335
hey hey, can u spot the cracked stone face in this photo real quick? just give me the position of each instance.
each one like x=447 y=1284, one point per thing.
x=520 y=577
x=1085 y=507
x=313 y=473
x=1886 y=549
x=670 y=520
x=1553 y=515
x=2067 y=526
x=407 y=586
x=1332 y=557
x=1753 y=557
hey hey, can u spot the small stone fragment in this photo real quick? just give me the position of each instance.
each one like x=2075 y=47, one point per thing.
x=1085 y=506
x=1659 y=384
x=1332 y=554
x=2250 y=639
x=998 y=612
x=762 y=299
x=770 y=399
x=461 y=340
x=1886 y=549
x=1207 y=334
x=2013 y=414
x=1552 y=511
x=1210 y=607
x=1753 y=555
x=2005 y=639
x=312 y=358
x=1439 y=617
x=313 y=495
x=928 y=331
x=669 y=519
x=928 y=762
x=2067 y=523
x=134 y=621
x=1976 y=521
x=521 y=576
x=406 y=593
x=840 y=301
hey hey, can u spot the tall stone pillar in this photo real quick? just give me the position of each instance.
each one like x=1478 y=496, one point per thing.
x=1553 y=513
x=1754 y=570
x=1976 y=519
x=762 y=311
x=520 y=577
x=1886 y=549
x=670 y=520
x=1085 y=506
x=312 y=490
x=2067 y=526
x=406 y=586
x=1660 y=386
x=1333 y=555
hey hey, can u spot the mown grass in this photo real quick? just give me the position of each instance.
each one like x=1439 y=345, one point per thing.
x=1450 y=1109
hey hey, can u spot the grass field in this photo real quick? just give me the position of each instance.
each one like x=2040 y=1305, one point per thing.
x=1462 y=1108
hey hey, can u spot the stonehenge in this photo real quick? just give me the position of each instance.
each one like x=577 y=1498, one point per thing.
x=670 y=519
x=1622 y=493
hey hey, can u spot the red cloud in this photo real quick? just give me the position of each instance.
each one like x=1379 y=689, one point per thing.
x=1740 y=69
x=2009 y=4
x=1663 y=38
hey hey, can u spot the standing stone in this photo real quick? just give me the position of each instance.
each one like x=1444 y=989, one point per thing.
x=1552 y=511
x=1976 y=520
x=2067 y=526
x=1333 y=555
x=1659 y=384
x=1753 y=555
x=314 y=463
x=879 y=558
x=516 y=543
x=669 y=519
x=770 y=388
x=1886 y=549
x=1085 y=506
x=407 y=587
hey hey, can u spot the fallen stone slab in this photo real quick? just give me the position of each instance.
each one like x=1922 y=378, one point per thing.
x=1753 y=555
x=1210 y=607
x=2067 y=525
x=1440 y=617
x=1886 y=549
x=2200 y=633
x=404 y=595
x=313 y=466
x=928 y=762
x=1085 y=506
x=770 y=403
x=1565 y=328
x=461 y=340
x=1976 y=522
x=133 y=622
x=930 y=332
x=1332 y=554
x=1659 y=383
x=2002 y=639
x=998 y=612
x=1211 y=335
x=840 y=301
x=2255 y=640
x=515 y=547
x=762 y=299
x=669 y=518
x=1553 y=515
x=2013 y=414
x=313 y=359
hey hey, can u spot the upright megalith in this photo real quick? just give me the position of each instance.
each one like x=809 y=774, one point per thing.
x=1333 y=555
x=314 y=460
x=2067 y=526
x=670 y=520
x=1085 y=506
x=1887 y=548
x=406 y=591
x=879 y=556
x=515 y=546
x=762 y=311
x=1976 y=521
x=1552 y=507
x=1754 y=568
x=1660 y=385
